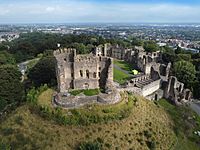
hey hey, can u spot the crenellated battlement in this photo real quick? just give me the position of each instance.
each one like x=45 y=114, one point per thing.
x=62 y=51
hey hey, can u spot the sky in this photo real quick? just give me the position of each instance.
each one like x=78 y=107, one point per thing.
x=99 y=11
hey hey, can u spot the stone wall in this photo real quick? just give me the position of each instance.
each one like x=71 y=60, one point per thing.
x=151 y=88
x=156 y=95
x=174 y=91
x=82 y=71
x=78 y=101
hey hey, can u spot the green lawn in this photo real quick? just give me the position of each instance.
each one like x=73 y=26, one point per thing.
x=120 y=76
x=185 y=123
x=88 y=92
x=124 y=65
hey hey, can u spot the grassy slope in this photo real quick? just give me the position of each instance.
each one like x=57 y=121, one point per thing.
x=186 y=122
x=147 y=123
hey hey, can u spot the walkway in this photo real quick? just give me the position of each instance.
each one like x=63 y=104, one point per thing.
x=196 y=107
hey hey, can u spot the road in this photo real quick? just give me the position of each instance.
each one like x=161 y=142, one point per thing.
x=23 y=66
x=196 y=107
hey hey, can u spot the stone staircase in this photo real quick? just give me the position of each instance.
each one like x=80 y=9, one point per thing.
x=142 y=83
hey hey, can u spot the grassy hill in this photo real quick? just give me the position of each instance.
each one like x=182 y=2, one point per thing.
x=148 y=126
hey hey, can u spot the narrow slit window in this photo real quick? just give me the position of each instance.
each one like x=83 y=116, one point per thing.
x=87 y=74
x=81 y=73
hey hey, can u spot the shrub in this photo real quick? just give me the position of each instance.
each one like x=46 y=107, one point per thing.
x=32 y=95
x=90 y=146
x=147 y=134
x=7 y=131
x=19 y=120
x=151 y=145
x=108 y=145
x=4 y=146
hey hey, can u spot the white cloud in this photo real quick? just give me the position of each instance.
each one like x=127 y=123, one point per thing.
x=4 y=11
x=76 y=11
x=50 y=9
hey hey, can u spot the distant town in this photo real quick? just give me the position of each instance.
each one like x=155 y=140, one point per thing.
x=186 y=36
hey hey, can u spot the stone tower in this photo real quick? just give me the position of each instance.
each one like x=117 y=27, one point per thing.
x=65 y=68
x=89 y=71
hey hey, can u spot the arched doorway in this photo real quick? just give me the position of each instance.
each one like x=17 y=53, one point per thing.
x=156 y=97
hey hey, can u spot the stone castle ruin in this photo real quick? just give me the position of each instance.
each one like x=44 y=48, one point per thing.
x=82 y=71
x=95 y=70
x=154 y=81
x=79 y=72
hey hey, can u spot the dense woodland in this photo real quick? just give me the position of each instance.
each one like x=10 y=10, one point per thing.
x=31 y=45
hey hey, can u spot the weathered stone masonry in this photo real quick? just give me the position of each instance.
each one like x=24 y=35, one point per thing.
x=82 y=71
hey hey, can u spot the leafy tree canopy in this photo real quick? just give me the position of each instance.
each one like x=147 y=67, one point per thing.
x=43 y=72
x=168 y=54
x=185 y=72
x=10 y=85
x=151 y=46
x=186 y=57
x=137 y=42
x=6 y=58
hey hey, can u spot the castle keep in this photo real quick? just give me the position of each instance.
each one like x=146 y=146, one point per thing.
x=89 y=71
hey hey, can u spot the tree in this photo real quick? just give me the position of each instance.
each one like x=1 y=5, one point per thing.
x=185 y=72
x=10 y=85
x=136 y=42
x=196 y=86
x=168 y=54
x=3 y=46
x=43 y=72
x=81 y=48
x=101 y=40
x=6 y=58
x=179 y=50
x=151 y=46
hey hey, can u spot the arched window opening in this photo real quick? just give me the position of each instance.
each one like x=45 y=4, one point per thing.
x=94 y=75
x=87 y=74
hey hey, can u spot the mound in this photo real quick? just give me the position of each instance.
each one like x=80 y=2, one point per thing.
x=147 y=127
